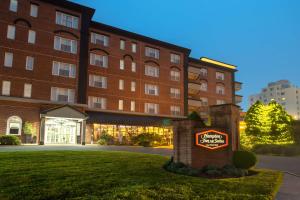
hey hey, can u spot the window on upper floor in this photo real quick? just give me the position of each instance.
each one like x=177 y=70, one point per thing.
x=27 y=90
x=8 y=59
x=220 y=76
x=132 y=106
x=122 y=64
x=6 y=88
x=175 y=75
x=175 y=110
x=99 y=60
x=203 y=71
x=121 y=104
x=62 y=94
x=151 y=89
x=97 y=102
x=11 y=32
x=34 y=9
x=66 y=20
x=63 y=69
x=100 y=39
x=122 y=44
x=65 y=45
x=133 y=67
x=29 y=63
x=13 y=6
x=204 y=101
x=220 y=102
x=151 y=71
x=151 y=52
x=175 y=93
x=133 y=47
x=133 y=86
x=175 y=58
x=97 y=81
x=151 y=108
x=31 y=37
x=203 y=85
x=220 y=89
x=121 y=84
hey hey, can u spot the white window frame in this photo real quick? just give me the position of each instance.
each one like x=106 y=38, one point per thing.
x=15 y=120
x=29 y=63
x=6 y=85
x=57 y=67
x=175 y=58
x=220 y=89
x=151 y=71
x=13 y=5
x=97 y=100
x=175 y=75
x=204 y=86
x=27 y=90
x=31 y=37
x=133 y=47
x=11 y=32
x=99 y=60
x=133 y=86
x=121 y=104
x=121 y=84
x=151 y=106
x=56 y=91
x=175 y=110
x=122 y=64
x=96 y=78
x=203 y=72
x=152 y=52
x=100 y=39
x=58 y=42
x=34 y=10
x=122 y=44
x=220 y=76
x=8 y=59
x=63 y=19
x=151 y=89
x=133 y=66
x=175 y=93
x=132 y=106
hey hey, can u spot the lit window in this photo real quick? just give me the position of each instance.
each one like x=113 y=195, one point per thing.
x=99 y=60
x=14 y=126
x=122 y=44
x=100 y=39
x=175 y=75
x=65 y=45
x=11 y=32
x=122 y=65
x=175 y=93
x=133 y=67
x=151 y=108
x=151 y=52
x=66 y=20
x=133 y=47
x=6 y=88
x=29 y=63
x=121 y=84
x=132 y=106
x=121 y=105
x=8 y=59
x=133 y=86
x=63 y=69
x=151 y=71
x=27 y=90
x=13 y=6
x=62 y=94
x=34 y=10
x=31 y=36
x=151 y=89
x=97 y=81
x=175 y=110
x=220 y=76
x=175 y=58
x=97 y=102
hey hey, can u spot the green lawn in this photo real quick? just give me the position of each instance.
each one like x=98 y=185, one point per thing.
x=117 y=175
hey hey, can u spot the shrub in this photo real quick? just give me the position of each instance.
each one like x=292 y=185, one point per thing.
x=231 y=170
x=105 y=139
x=9 y=140
x=180 y=168
x=147 y=139
x=244 y=159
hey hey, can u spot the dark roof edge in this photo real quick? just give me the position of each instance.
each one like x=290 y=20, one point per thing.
x=199 y=61
x=146 y=39
x=72 y=6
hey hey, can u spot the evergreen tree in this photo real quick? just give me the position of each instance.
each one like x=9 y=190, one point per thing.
x=252 y=119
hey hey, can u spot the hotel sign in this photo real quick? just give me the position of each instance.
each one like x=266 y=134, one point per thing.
x=211 y=139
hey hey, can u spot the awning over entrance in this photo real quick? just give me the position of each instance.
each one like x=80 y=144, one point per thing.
x=125 y=119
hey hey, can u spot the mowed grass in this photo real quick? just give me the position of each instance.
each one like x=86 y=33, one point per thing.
x=117 y=175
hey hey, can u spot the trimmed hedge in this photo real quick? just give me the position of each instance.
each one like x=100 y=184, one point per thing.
x=244 y=159
x=9 y=140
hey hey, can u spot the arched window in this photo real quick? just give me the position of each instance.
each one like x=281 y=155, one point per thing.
x=14 y=125
x=203 y=72
x=220 y=89
x=203 y=85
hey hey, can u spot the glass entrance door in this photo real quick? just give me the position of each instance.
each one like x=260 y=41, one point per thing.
x=60 y=131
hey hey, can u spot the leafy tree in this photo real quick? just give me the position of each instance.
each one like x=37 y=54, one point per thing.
x=29 y=129
x=254 y=120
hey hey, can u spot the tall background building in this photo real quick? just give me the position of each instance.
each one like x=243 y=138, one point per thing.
x=283 y=92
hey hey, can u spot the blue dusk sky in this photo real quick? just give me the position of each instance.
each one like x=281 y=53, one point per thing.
x=260 y=37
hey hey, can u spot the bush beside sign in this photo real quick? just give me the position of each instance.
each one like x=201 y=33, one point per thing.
x=212 y=139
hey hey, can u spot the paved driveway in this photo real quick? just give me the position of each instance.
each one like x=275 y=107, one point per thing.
x=290 y=189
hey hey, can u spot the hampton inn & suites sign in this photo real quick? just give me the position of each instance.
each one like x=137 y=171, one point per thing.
x=212 y=139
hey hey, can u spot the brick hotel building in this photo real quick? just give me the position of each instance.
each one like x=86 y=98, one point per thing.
x=72 y=78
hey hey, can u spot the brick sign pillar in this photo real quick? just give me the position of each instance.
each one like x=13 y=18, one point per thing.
x=198 y=146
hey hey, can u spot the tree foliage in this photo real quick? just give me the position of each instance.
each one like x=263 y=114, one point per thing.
x=268 y=124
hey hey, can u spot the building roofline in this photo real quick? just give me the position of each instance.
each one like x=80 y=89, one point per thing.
x=72 y=6
x=108 y=28
x=201 y=61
